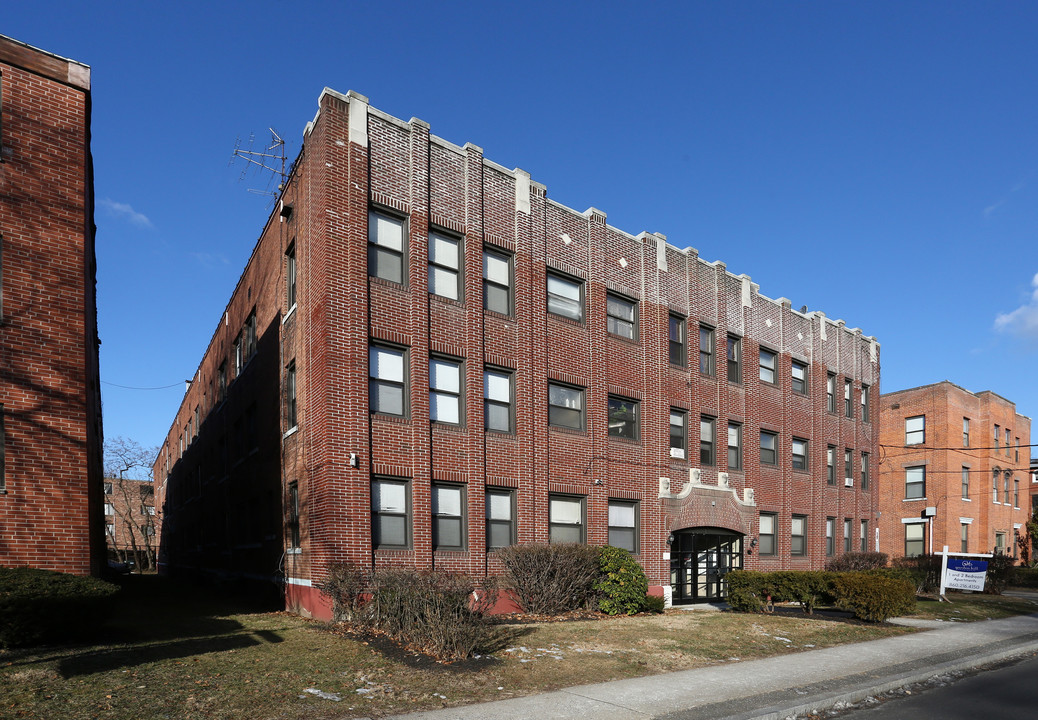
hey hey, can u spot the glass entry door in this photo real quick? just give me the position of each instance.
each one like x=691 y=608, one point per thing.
x=700 y=558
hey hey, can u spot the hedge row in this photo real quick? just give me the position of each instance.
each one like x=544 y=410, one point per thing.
x=41 y=606
x=872 y=595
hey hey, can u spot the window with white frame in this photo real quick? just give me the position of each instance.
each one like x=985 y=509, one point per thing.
x=565 y=519
x=448 y=504
x=497 y=281
x=390 y=513
x=497 y=400
x=1005 y=487
x=678 y=433
x=387 y=236
x=565 y=406
x=565 y=296
x=623 y=525
x=768 y=546
x=995 y=475
x=444 y=265
x=768 y=447
x=109 y=509
x=915 y=430
x=623 y=418
x=768 y=366
x=621 y=316
x=500 y=512
x=915 y=482
x=445 y=384
x=387 y=373
x=915 y=536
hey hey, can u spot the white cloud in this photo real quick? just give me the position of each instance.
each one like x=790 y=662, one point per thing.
x=1024 y=320
x=124 y=210
x=209 y=261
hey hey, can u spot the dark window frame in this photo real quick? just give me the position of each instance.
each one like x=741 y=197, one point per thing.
x=734 y=358
x=572 y=282
x=435 y=265
x=830 y=536
x=772 y=367
x=404 y=384
x=830 y=464
x=380 y=254
x=616 y=322
x=737 y=448
x=683 y=414
x=509 y=288
x=439 y=518
x=677 y=347
x=915 y=437
x=291 y=397
x=489 y=402
x=509 y=524
x=915 y=482
x=708 y=448
x=800 y=385
x=581 y=393
x=630 y=429
x=805 y=464
x=377 y=513
x=830 y=392
x=459 y=396
x=798 y=541
x=553 y=524
x=768 y=541
x=635 y=545
x=291 y=277
x=774 y=451
x=294 y=538
x=707 y=350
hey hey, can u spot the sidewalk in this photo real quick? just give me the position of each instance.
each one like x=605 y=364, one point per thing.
x=777 y=687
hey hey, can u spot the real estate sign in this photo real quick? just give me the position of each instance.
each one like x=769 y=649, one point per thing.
x=966 y=573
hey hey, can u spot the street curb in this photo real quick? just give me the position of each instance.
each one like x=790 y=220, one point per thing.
x=822 y=702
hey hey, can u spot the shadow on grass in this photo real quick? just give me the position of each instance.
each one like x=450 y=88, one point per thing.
x=154 y=619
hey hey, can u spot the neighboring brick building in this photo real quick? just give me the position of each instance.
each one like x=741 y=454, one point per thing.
x=50 y=405
x=425 y=357
x=132 y=524
x=953 y=471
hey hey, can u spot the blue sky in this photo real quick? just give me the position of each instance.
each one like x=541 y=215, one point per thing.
x=875 y=161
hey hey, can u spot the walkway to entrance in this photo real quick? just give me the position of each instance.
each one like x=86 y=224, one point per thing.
x=699 y=560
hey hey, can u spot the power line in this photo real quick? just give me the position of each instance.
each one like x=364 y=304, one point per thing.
x=130 y=387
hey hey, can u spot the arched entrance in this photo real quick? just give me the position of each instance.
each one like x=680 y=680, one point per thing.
x=699 y=560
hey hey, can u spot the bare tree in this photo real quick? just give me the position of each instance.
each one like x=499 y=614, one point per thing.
x=127 y=468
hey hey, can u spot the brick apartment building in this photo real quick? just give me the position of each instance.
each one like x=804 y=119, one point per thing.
x=426 y=358
x=50 y=405
x=954 y=470
x=132 y=524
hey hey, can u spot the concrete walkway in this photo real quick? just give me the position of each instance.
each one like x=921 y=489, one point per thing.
x=776 y=687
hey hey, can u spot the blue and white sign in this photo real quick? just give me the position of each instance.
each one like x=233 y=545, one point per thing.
x=966 y=573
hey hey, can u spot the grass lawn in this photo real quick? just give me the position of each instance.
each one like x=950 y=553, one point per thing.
x=176 y=652
x=967 y=607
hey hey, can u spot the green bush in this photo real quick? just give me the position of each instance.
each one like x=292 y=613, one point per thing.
x=654 y=604
x=748 y=590
x=551 y=579
x=1000 y=572
x=39 y=606
x=873 y=597
x=853 y=561
x=1024 y=577
x=807 y=587
x=622 y=585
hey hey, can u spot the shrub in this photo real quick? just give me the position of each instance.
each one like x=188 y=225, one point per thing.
x=1000 y=572
x=551 y=579
x=873 y=597
x=807 y=587
x=43 y=606
x=748 y=590
x=924 y=570
x=1024 y=577
x=345 y=586
x=853 y=561
x=429 y=612
x=622 y=584
x=654 y=604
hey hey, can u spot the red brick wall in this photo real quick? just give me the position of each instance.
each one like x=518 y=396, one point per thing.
x=398 y=166
x=50 y=510
x=943 y=454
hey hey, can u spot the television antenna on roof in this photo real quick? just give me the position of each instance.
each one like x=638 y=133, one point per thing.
x=271 y=159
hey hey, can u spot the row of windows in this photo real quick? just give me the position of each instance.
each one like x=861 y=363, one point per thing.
x=566 y=409
x=915 y=539
x=915 y=485
x=566 y=298
x=915 y=434
x=391 y=517
x=798 y=535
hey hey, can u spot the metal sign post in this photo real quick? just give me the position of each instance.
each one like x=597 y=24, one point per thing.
x=967 y=575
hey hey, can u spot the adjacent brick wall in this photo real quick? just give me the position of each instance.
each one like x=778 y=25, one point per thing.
x=944 y=405
x=50 y=508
